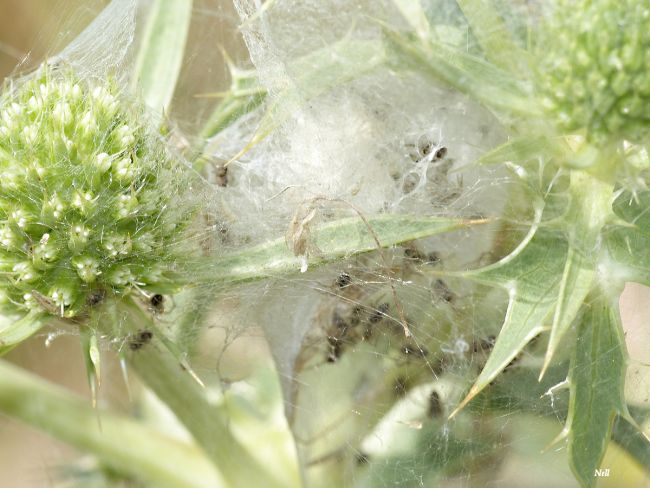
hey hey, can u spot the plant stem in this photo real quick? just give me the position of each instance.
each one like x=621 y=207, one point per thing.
x=123 y=444
x=592 y=194
x=167 y=376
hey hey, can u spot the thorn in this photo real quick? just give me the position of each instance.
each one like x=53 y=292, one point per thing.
x=125 y=377
x=95 y=358
x=185 y=365
x=246 y=148
x=547 y=362
x=227 y=59
x=472 y=393
x=560 y=386
x=560 y=437
x=93 y=390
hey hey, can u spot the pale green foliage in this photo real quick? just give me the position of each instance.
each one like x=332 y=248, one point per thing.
x=589 y=74
x=597 y=378
x=90 y=197
x=161 y=54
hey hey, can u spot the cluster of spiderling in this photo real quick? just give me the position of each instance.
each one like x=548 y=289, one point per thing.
x=594 y=73
x=360 y=314
x=89 y=200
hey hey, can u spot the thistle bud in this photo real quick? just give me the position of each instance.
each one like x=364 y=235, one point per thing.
x=77 y=161
x=594 y=78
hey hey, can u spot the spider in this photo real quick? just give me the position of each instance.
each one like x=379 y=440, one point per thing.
x=140 y=339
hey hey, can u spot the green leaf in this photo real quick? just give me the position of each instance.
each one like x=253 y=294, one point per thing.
x=245 y=95
x=161 y=54
x=415 y=15
x=468 y=74
x=492 y=34
x=520 y=150
x=520 y=391
x=548 y=273
x=315 y=74
x=590 y=209
x=577 y=279
x=124 y=445
x=229 y=110
x=531 y=275
x=92 y=358
x=20 y=330
x=597 y=378
x=628 y=242
x=334 y=240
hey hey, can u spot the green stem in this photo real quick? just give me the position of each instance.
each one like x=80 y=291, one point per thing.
x=123 y=444
x=160 y=56
x=592 y=195
x=168 y=377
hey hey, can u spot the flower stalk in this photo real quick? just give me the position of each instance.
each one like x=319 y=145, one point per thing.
x=123 y=444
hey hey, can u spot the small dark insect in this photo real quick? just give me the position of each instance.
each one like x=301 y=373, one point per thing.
x=157 y=303
x=96 y=297
x=434 y=409
x=336 y=349
x=221 y=173
x=426 y=148
x=441 y=153
x=415 y=351
x=46 y=303
x=139 y=340
x=420 y=151
x=362 y=458
x=442 y=290
x=379 y=313
x=413 y=253
x=513 y=363
x=343 y=280
x=333 y=340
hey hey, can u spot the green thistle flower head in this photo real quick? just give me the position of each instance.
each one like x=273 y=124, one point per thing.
x=594 y=78
x=90 y=199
